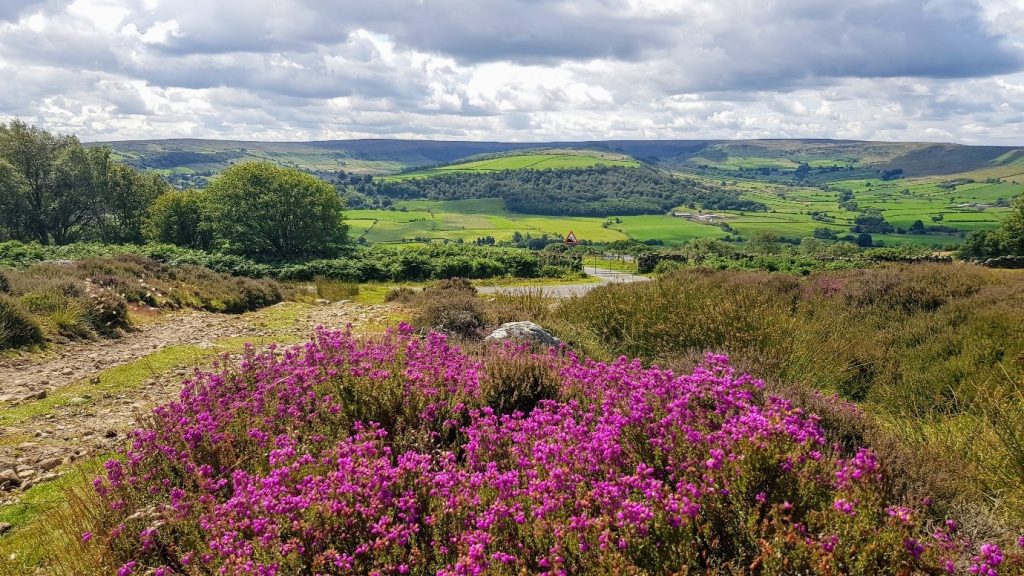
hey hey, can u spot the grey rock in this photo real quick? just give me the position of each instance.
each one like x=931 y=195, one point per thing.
x=5 y=527
x=523 y=331
x=9 y=479
x=50 y=463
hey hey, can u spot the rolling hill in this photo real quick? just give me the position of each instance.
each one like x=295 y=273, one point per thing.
x=392 y=156
x=951 y=188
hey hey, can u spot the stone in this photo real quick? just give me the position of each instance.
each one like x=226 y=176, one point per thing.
x=5 y=527
x=523 y=331
x=110 y=434
x=50 y=463
x=77 y=401
x=9 y=479
x=321 y=301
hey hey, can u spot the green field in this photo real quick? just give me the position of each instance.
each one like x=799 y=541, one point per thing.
x=467 y=220
x=547 y=160
x=965 y=207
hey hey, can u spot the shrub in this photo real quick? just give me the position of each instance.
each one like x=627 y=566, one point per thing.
x=17 y=328
x=335 y=290
x=517 y=382
x=382 y=457
x=452 y=310
x=452 y=284
x=5 y=284
x=402 y=294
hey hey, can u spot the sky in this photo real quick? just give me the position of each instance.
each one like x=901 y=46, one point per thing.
x=516 y=70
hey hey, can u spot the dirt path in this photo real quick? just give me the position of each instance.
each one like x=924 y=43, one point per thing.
x=604 y=276
x=44 y=428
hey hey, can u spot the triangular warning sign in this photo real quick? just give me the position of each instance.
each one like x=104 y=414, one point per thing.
x=570 y=239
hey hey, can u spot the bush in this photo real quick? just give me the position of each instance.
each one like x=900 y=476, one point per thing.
x=335 y=290
x=625 y=470
x=517 y=382
x=401 y=294
x=17 y=328
x=5 y=284
x=451 y=309
x=62 y=313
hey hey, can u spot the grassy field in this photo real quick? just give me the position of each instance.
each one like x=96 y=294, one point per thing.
x=548 y=160
x=965 y=207
x=468 y=220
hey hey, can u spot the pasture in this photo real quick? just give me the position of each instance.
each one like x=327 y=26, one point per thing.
x=467 y=220
x=548 y=160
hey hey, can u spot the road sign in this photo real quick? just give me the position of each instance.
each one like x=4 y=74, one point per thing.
x=570 y=239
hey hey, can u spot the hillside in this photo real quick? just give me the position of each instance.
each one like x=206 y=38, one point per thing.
x=384 y=156
x=950 y=188
x=533 y=159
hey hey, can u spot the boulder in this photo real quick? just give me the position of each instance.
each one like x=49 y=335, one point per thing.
x=524 y=331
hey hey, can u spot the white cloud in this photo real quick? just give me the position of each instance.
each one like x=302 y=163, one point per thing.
x=516 y=69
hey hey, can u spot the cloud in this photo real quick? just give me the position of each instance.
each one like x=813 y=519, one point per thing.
x=516 y=69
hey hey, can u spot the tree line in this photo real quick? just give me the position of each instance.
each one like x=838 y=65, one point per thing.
x=54 y=190
x=595 y=191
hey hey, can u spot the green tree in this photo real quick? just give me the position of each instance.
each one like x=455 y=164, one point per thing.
x=13 y=210
x=258 y=208
x=125 y=197
x=1013 y=229
x=66 y=191
x=763 y=242
x=1008 y=240
x=180 y=217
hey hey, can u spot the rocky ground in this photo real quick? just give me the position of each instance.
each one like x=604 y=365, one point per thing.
x=42 y=446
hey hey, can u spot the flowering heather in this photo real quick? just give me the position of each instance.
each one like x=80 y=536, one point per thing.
x=390 y=457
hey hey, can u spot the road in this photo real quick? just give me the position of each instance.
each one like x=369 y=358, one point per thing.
x=604 y=275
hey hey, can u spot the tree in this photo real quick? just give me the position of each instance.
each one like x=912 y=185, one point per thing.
x=13 y=210
x=865 y=240
x=764 y=242
x=917 y=227
x=180 y=217
x=258 y=208
x=66 y=191
x=824 y=234
x=871 y=221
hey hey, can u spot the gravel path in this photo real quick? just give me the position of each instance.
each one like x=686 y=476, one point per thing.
x=37 y=449
x=604 y=275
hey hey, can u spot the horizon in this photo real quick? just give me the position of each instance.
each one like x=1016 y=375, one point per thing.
x=935 y=71
x=551 y=142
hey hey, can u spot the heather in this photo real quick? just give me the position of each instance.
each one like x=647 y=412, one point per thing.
x=933 y=354
x=63 y=301
x=405 y=455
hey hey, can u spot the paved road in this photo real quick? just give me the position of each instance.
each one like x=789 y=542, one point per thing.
x=568 y=290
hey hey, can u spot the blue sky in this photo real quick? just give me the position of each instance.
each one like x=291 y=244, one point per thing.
x=935 y=70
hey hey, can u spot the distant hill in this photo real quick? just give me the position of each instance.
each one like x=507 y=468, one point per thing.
x=826 y=160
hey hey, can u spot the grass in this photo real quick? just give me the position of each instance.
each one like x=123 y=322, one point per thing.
x=552 y=160
x=22 y=550
x=468 y=220
x=965 y=208
x=113 y=381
